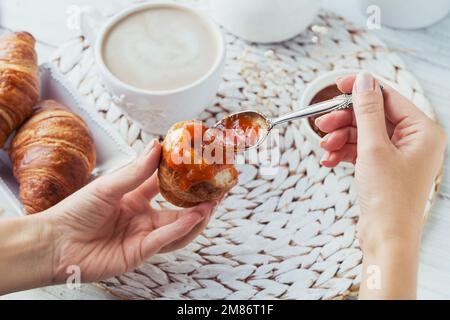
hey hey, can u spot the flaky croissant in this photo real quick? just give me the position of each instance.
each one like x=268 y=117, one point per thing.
x=19 y=85
x=53 y=155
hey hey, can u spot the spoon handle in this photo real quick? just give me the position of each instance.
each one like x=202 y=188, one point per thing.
x=340 y=102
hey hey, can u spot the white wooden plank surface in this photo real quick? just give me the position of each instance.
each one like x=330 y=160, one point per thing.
x=427 y=54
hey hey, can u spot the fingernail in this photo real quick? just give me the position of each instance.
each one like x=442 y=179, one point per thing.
x=323 y=141
x=325 y=157
x=150 y=147
x=339 y=79
x=317 y=121
x=364 y=82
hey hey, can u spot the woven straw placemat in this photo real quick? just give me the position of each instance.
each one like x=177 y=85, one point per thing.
x=288 y=236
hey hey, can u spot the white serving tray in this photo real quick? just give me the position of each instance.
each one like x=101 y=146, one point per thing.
x=112 y=150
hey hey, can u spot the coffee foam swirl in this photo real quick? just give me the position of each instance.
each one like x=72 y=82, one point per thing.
x=160 y=49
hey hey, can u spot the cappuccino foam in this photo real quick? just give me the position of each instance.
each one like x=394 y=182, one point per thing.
x=160 y=48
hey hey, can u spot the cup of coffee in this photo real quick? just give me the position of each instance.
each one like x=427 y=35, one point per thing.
x=162 y=62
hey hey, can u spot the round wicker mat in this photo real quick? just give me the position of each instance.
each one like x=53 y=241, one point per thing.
x=286 y=236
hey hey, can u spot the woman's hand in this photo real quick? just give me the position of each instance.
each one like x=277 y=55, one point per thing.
x=109 y=227
x=398 y=152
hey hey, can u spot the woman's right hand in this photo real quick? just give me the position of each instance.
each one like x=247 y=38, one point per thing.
x=398 y=152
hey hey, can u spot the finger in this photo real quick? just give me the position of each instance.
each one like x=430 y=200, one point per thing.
x=331 y=124
x=390 y=128
x=149 y=189
x=347 y=153
x=338 y=119
x=208 y=210
x=130 y=177
x=335 y=120
x=335 y=140
x=164 y=235
x=164 y=217
x=398 y=108
x=345 y=84
x=368 y=106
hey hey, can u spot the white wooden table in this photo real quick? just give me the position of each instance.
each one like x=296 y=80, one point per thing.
x=426 y=52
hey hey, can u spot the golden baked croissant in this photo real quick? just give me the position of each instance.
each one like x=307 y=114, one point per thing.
x=19 y=85
x=53 y=155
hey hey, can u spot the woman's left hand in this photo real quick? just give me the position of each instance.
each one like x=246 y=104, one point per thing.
x=109 y=227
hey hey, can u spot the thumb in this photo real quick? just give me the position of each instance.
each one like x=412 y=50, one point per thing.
x=368 y=107
x=131 y=176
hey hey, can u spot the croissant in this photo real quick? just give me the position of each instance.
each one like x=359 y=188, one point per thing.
x=53 y=155
x=19 y=85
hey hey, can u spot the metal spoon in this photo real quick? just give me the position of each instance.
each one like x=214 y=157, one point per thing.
x=265 y=124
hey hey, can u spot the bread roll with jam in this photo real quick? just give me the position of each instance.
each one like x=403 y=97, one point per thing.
x=191 y=170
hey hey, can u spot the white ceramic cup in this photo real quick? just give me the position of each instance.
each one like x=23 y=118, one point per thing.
x=317 y=85
x=408 y=14
x=265 y=21
x=155 y=111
